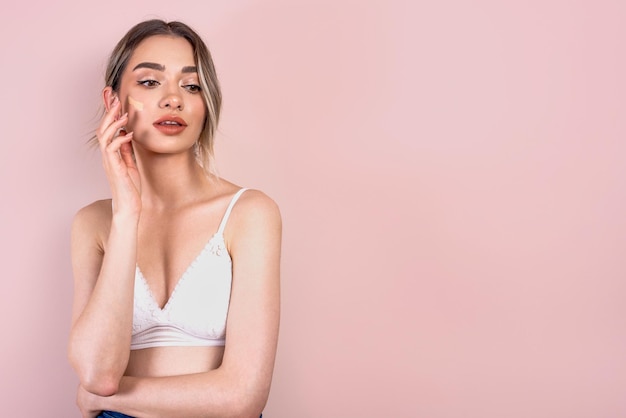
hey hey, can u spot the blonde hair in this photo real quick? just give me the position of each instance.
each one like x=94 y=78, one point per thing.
x=210 y=88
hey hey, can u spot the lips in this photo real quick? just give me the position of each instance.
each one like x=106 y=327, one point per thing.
x=170 y=125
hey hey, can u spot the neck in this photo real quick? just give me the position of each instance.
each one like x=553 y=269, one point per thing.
x=170 y=181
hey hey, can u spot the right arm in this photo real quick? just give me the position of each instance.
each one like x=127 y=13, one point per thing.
x=104 y=269
x=102 y=314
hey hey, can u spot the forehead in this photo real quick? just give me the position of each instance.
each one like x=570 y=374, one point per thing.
x=164 y=49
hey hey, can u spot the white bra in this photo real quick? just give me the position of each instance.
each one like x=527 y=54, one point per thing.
x=195 y=314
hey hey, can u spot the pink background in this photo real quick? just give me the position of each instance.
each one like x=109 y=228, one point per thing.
x=452 y=180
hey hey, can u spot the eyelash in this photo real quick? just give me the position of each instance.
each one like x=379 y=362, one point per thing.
x=148 y=83
x=191 y=88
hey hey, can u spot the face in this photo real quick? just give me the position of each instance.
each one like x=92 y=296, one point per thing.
x=160 y=91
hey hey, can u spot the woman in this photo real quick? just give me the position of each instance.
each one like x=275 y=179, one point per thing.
x=176 y=303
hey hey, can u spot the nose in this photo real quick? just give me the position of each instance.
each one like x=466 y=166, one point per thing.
x=172 y=100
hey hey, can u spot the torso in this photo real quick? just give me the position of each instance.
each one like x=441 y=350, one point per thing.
x=168 y=241
x=170 y=361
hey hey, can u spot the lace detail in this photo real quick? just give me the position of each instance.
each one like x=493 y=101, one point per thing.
x=196 y=311
x=144 y=302
x=197 y=308
x=217 y=246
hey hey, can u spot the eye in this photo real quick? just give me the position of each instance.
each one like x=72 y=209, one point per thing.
x=192 y=88
x=148 y=83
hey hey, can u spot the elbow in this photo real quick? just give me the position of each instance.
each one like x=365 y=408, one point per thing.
x=98 y=382
x=101 y=386
x=92 y=378
x=249 y=404
x=246 y=410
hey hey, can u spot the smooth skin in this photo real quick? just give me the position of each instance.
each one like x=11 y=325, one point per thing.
x=163 y=210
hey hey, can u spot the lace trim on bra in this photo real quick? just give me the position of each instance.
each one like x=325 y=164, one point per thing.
x=215 y=246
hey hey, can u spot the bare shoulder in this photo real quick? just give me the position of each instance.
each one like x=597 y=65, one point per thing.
x=98 y=210
x=255 y=213
x=92 y=222
x=253 y=206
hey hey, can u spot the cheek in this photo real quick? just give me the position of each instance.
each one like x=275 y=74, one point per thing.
x=135 y=104
x=135 y=108
x=199 y=111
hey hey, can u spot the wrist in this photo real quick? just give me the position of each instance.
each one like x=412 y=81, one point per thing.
x=126 y=211
x=125 y=218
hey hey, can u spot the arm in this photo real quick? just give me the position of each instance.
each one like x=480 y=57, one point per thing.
x=99 y=345
x=240 y=386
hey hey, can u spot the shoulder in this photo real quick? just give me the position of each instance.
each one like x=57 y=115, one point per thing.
x=255 y=214
x=254 y=206
x=92 y=222
x=94 y=215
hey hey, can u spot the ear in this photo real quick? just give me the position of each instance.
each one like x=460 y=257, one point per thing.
x=108 y=95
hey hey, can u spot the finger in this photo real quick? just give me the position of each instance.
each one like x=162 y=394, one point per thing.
x=109 y=133
x=110 y=115
x=126 y=152
x=111 y=158
x=114 y=111
x=114 y=146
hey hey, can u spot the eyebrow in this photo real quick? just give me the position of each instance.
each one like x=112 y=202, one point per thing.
x=151 y=65
x=160 y=67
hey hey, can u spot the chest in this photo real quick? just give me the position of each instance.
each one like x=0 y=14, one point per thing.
x=168 y=250
x=197 y=307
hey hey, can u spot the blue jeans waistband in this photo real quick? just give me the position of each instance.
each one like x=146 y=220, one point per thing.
x=113 y=414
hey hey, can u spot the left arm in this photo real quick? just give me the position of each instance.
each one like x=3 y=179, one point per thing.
x=240 y=386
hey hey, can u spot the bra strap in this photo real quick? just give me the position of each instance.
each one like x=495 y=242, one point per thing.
x=229 y=209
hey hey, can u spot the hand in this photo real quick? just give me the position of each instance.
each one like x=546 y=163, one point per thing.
x=118 y=161
x=86 y=402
